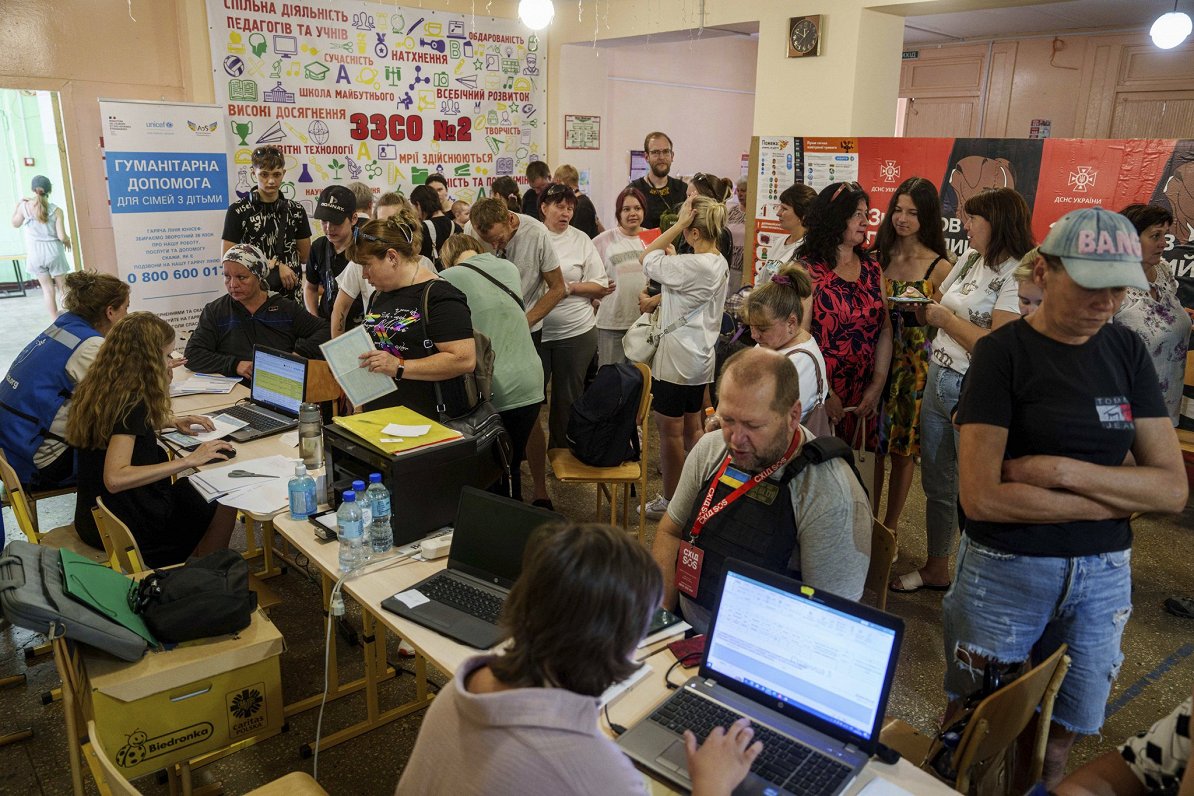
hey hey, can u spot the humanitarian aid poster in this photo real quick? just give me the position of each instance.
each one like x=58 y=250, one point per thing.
x=1054 y=175
x=382 y=94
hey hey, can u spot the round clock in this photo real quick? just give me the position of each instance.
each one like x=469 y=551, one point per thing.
x=804 y=36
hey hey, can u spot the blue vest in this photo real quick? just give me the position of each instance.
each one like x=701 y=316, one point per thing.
x=35 y=388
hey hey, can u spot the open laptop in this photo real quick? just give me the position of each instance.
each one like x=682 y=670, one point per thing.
x=279 y=384
x=463 y=602
x=812 y=671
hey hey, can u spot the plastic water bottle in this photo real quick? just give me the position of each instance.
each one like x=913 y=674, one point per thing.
x=363 y=504
x=302 y=493
x=351 y=531
x=381 y=535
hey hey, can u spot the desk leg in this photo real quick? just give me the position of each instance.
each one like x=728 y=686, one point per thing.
x=266 y=551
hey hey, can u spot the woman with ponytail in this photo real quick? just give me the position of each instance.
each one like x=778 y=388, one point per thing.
x=46 y=241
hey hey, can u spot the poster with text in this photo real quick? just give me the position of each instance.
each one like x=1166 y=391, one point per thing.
x=382 y=94
x=168 y=190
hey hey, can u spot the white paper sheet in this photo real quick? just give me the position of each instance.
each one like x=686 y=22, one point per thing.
x=411 y=598
x=216 y=482
x=224 y=425
x=882 y=787
x=343 y=356
x=397 y=430
x=204 y=383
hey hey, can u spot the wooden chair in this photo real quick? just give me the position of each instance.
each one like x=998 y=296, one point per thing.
x=62 y=537
x=883 y=547
x=569 y=469
x=124 y=553
x=296 y=783
x=321 y=384
x=995 y=724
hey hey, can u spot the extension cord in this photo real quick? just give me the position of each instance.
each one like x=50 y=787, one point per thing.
x=436 y=547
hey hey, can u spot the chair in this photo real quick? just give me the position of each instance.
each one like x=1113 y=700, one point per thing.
x=296 y=783
x=124 y=553
x=569 y=469
x=62 y=537
x=883 y=547
x=995 y=724
x=321 y=384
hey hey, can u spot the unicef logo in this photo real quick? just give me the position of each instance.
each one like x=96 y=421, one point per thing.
x=318 y=131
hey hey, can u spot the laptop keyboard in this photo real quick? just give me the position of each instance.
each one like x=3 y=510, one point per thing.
x=463 y=597
x=254 y=419
x=783 y=761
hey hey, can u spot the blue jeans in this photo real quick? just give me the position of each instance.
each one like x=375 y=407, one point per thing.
x=939 y=458
x=1007 y=607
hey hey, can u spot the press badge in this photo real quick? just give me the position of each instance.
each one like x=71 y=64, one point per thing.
x=689 y=560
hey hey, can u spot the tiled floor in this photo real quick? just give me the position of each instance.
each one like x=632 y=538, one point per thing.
x=1158 y=668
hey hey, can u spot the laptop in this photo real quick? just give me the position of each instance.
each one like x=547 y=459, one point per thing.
x=279 y=384
x=811 y=670
x=464 y=601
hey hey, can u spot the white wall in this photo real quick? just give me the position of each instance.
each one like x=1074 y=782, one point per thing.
x=658 y=86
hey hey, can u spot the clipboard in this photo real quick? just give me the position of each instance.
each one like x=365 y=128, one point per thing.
x=104 y=590
x=368 y=426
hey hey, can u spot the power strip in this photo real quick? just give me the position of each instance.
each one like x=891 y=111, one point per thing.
x=436 y=547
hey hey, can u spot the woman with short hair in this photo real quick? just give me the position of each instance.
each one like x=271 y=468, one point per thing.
x=619 y=249
x=525 y=721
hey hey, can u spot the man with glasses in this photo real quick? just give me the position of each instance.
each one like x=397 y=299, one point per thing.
x=663 y=192
x=274 y=224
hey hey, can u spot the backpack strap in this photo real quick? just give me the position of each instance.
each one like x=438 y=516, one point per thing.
x=490 y=277
x=933 y=265
x=822 y=449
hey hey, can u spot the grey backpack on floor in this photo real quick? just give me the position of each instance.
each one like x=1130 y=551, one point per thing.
x=32 y=596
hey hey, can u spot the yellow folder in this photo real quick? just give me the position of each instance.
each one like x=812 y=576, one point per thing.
x=368 y=426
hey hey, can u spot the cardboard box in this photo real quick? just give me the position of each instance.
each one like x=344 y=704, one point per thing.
x=177 y=705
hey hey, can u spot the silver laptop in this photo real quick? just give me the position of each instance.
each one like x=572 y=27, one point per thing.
x=464 y=601
x=279 y=384
x=811 y=670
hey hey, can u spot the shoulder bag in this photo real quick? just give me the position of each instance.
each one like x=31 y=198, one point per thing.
x=641 y=340
x=817 y=420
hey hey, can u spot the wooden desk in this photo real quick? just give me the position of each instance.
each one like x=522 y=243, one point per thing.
x=370 y=589
x=204 y=402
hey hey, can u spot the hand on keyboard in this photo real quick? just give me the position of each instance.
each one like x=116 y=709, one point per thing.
x=723 y=760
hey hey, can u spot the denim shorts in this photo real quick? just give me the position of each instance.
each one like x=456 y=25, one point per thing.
x=1008 y=608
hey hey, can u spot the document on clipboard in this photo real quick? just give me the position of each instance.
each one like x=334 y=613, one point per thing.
x=343 y=356
x=372 y=428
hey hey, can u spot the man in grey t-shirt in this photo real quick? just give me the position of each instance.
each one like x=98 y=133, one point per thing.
x=828 y=538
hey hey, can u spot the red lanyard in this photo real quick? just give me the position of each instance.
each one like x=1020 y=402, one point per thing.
x=706 y=513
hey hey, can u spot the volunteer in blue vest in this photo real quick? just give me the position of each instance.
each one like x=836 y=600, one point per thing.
x=37 y=389
x=763 y=491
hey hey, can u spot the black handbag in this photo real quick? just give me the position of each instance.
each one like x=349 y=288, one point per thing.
x=207 y=596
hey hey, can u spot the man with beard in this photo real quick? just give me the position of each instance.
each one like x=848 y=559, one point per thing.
x=663 y=192
x=762 y=490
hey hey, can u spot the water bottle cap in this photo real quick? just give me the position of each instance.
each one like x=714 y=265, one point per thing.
x=300 y=470
x=358 y=485
x=375 y=478
x=350 y=496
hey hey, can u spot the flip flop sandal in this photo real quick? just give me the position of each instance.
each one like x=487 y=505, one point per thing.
x=911 y=582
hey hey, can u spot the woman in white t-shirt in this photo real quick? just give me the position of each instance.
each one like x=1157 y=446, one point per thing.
x=570 y=329
x=693 y=293
x=619 y=249
x=775 y=312
x=978 y=296
x=793 y=207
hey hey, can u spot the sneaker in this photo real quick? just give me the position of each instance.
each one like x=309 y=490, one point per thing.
x=1178 y=606
x=655 y=509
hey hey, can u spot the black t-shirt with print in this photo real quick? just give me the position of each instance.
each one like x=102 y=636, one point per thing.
x=1077 y=401
x=324 y=264
x=275 y=228
x=660 y=200
x=395 y=321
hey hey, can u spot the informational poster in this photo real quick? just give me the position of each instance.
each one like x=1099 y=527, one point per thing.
x=778 y=168
x=582 y=132
x=1054 y=175
x=382 y=94
x=168 y=190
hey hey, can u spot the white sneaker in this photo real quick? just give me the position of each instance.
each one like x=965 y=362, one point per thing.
x=656 y=508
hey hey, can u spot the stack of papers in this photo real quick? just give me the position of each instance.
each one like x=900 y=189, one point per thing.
x=263 y=492
x=396 y=429
x=224 y=425
x=204 y=383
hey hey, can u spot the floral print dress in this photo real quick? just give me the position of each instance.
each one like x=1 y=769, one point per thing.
x=1165 y=329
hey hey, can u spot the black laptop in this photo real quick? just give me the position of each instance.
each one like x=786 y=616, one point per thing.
x=279 y=384
x=811 y=670
x=464 y=601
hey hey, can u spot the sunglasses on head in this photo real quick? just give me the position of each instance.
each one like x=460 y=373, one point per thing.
x=843 y=187
x=266 y=150
x=359 y=234
x=557 y=189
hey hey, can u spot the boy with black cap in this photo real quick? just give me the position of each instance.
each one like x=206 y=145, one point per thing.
x=336 y=210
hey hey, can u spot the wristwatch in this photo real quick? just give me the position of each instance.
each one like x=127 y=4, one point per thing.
x=401 y=369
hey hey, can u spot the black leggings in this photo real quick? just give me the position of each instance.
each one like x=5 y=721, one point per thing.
x=518 y=423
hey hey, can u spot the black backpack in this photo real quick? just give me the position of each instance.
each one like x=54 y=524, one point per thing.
x=207 y=596
x=601 y=426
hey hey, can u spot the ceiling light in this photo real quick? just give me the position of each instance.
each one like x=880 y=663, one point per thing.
x=537 y=14
x=1170 y=29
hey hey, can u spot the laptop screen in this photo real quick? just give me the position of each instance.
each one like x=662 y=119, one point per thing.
x=278 y=380
x=491 y=533
x=801 y=652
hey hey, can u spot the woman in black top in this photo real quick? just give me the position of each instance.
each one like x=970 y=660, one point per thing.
x=419 y=323
x=116 y=413
x=437 y=227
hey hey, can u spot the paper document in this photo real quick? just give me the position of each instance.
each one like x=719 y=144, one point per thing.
x=398 y=430
x=617 y=689
x=882 y=787
x=266 y=478
x=224 y=425
x=204 y=383
x=343 y=356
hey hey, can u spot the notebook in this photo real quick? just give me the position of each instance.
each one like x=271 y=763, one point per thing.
x=279 y=384
x=811 y=670
x=464 y=601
